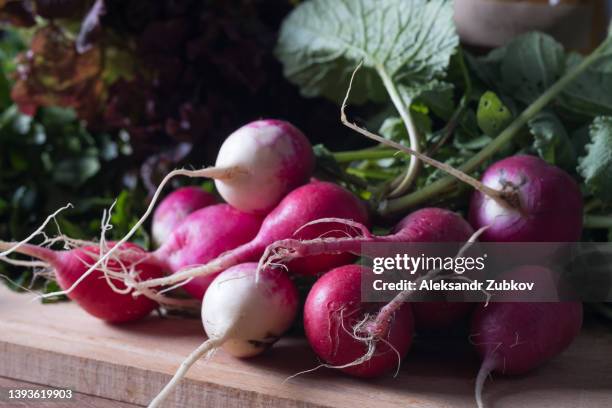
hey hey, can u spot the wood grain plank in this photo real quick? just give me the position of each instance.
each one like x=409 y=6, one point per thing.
x=61 y=346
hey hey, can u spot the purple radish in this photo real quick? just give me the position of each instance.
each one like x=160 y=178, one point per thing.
x=175 y=208
x=517 y=337
x=545 y=203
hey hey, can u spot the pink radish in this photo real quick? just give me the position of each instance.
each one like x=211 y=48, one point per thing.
x=204 y=235
x=242 y=315
x=517 y=337
x=332 y=316
x=94 y=294
x=428 y=225
x=257 y=166
x=305 y=204
x=546 y=203
x=175 y=208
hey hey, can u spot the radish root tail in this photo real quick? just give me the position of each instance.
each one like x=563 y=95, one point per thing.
x=483 y=374
x=205 y=348
x=38 y=231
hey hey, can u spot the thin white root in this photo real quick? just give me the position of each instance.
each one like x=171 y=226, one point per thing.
x=205 y=348
x=485 y=369
x=37 y=232
x=366 y=357
x=356 y=226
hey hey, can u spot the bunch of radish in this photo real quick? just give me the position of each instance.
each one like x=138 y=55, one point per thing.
x=238 y=257
x=520 y=199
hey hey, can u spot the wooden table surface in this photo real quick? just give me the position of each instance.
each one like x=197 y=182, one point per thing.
x=60 y=346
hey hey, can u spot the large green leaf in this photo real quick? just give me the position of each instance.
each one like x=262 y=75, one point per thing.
x=524 y=68
x=410 y=42
x=596 y=166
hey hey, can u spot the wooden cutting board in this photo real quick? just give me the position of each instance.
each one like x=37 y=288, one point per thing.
x=60 y=346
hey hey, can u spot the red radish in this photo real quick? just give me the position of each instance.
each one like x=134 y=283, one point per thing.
x=257 y=166
x=428 y=225
x=546 y=203
x=305 y=204
x=517 y=337
x=175 y=208
x=332 y=316
x=242 y=315
x=204 y=235
x=94 y=294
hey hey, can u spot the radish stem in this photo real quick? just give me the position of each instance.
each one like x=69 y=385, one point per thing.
x=413 y=134
x=365 y=154
x=432 y=190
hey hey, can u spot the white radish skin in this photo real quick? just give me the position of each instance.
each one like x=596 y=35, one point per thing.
x=272 y=162
x=241 y=315
x=245 y=312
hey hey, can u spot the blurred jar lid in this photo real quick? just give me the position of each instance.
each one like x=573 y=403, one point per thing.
x=577 y=24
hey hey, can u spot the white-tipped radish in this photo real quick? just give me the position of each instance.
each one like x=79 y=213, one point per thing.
x=241 y=315
x=273 y=157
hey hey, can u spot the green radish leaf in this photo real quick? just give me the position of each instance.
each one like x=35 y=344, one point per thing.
x=406 y=42
x=551 y=140
x=532 y=63
x=492 y=115
x=596 y=166
x=524 y=68
x=591 y=93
